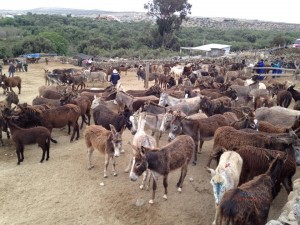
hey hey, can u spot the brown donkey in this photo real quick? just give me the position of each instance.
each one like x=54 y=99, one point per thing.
x=176 y=154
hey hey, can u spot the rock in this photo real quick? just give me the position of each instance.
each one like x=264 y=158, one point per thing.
x=191 y=179
x=274 y=222
x=101 y=184
x=140 y=202
x=291 y=216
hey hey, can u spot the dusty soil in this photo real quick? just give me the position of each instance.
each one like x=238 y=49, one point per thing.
x=63 y=191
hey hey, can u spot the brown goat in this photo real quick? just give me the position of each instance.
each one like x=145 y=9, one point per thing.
x=161 y=161
x=108 y=142
x=250 y=203
x=21 y=137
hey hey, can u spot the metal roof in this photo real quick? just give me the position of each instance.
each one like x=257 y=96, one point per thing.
x=207 y=47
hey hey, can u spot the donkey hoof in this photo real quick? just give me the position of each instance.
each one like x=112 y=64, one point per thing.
x=105 y=176
x=151 y=201
x=194 y=163
x=115 y=174
x=179 y=190
x=165 y=197
x=92 y=166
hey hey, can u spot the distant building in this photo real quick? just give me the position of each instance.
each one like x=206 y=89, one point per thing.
x=108 y=18
x=212 y=50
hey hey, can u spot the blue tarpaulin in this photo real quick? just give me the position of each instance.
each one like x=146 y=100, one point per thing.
x=33 y=55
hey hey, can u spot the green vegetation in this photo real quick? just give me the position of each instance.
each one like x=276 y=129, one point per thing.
x=66 y=35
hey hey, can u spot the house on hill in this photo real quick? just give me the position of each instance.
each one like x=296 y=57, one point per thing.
x=211 y=50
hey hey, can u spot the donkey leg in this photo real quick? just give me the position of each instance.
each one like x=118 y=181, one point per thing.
x=18 y=155
x=129 y=165
x=154 y=186
x=195 y=153
x=165 y=182
x=182 y=176
x=106 y=165
x=90 y=154
x=114 y=165
x=145 y=175
x=199 y=149
x=44 y=152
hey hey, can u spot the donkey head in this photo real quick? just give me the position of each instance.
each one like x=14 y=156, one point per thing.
x=176 y=127
x=219 y=186
x=140 y=163
x=116 y=139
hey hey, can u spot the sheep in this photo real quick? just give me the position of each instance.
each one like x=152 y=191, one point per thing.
x=256 y=161
x=21 y=137
x=107 y=142
x=250 y=203
x=225 y=176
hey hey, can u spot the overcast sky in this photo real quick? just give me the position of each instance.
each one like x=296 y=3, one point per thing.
x=277 y=11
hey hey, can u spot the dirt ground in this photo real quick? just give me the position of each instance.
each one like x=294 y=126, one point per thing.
x=63 y=191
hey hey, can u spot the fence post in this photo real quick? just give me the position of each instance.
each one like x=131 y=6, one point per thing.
x=146 y=82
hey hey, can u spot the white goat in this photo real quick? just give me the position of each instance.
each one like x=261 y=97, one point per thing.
x=141 y=139
x=226 y=176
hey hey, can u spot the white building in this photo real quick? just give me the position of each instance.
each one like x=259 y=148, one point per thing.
x=210 y=49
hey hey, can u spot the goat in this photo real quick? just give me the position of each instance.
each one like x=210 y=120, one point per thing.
x=21 y=137
x=226 y=176
x=250 y=203
x=176 y=154
x=107 y=142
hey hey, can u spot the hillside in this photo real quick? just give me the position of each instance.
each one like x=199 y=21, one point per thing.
x=203 y=22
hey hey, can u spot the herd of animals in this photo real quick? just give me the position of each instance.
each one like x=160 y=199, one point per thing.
x=255 y=133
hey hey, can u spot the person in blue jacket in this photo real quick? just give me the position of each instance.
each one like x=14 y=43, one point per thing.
x=261 y=71
x=114 y=77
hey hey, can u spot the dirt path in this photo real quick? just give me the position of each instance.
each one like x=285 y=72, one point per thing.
x=63 y=191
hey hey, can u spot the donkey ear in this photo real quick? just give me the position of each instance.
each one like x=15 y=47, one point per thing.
x=211 y=171
x=143 y=150
x=112 y=128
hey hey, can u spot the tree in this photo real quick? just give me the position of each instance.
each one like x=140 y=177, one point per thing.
x=169 y=16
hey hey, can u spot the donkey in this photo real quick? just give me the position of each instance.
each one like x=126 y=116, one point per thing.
x=176 y=154
x=21 y=137
x=250 y=202
x=107 y=142
x=8 y=83
x=199 y=129
x=142 y=139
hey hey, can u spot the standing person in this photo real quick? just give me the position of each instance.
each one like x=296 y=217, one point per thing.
x=280 y=64
x=0 y=69
x=46 y=60
x=261 y=71
x=114 y=77
x=11 y=70
x=25 y=65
